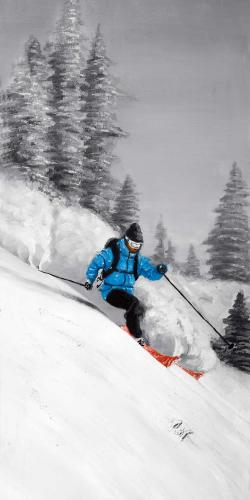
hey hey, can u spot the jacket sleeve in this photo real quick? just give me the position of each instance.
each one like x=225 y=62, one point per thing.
x=147 y=269
x=102 y=260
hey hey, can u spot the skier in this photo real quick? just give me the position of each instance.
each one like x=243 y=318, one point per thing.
x=121 y=264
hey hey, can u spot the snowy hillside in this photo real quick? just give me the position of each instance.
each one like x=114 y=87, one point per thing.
x=86 y=413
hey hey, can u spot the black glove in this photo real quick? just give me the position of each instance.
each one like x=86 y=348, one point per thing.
x=162 y=268
x=88 y=285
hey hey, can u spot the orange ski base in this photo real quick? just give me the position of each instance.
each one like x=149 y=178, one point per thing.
x=162 y=358
x=166 y=360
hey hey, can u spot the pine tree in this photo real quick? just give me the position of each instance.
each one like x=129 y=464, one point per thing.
x=35 y=148
x=1 y=129
x=14 y=112
x=100 y=129
x=126 y=207
x=238 y=332
x=35 y=58
x=25 y=115
x=170 y=257
x=66 y=136
x=160 y=249
x=228 y=241
x=192 y=265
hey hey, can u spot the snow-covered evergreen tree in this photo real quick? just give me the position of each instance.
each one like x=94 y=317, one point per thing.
x=100 y=129
x=126 y=208
x=66 y=133
x=170 y=256
x=237 y=332
x=14 y=112
x=26 y=118
x=228 y=242
x=192 y=264
x=160 y=253
x=35 y=58
x=1 y=129
x=35 y=148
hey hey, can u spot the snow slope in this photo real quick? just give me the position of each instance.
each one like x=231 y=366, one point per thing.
x=86 y=413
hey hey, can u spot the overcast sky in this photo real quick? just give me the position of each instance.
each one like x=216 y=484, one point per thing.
x=187 y=64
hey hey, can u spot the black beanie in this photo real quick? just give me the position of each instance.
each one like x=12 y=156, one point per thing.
x=134 y=233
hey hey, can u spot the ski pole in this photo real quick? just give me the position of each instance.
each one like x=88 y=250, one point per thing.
x=230 y=345
x=61 y=278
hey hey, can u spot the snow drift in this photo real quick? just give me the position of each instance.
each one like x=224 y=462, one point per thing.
x=46 y=234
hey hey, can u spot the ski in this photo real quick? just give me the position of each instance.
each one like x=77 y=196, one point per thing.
x=196 y=374
x=165 y=359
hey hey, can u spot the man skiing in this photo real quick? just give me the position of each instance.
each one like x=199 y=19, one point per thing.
x=121 y=264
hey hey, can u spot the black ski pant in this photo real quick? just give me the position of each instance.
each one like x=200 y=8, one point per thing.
x=134 y=309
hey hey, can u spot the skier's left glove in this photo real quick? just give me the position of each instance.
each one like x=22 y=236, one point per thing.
x=162 y=268
x=88 y=285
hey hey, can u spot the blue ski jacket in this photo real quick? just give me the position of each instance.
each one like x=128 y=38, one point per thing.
x=123 y=277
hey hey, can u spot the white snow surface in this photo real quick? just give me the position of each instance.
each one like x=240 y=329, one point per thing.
x=87 y=413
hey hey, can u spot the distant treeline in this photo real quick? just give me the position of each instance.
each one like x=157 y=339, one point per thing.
x=227 y=243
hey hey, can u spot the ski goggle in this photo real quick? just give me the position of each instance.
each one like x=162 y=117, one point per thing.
x=133 y=244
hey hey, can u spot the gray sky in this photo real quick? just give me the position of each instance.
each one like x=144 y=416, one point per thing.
x=187 y=64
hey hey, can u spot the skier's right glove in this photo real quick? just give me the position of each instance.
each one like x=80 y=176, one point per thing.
x=162 y=268
x=88 y=285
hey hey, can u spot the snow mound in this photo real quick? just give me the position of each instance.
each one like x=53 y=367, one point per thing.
x=48 y=234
